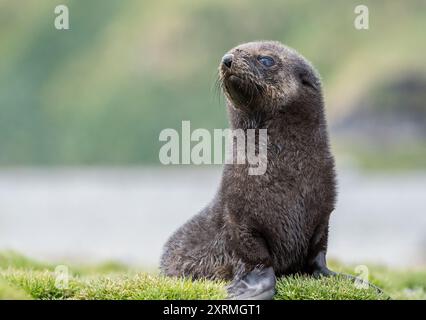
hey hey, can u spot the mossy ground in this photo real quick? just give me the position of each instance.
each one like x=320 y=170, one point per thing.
x=22 y=278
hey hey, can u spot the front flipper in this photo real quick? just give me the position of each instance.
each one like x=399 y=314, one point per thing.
x=259 y=284
x=320 y=269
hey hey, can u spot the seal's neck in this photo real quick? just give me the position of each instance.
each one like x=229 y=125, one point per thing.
x=247 y=119
x=292 y=115
x=293 y=127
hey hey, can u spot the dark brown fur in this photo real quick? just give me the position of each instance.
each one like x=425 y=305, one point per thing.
x=280 y=218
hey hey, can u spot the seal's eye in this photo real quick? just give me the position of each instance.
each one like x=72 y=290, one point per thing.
x=266 y=61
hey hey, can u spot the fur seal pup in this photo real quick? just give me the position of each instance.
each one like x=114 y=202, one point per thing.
x=261 y=226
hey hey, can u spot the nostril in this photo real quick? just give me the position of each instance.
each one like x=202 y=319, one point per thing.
x=227 y=59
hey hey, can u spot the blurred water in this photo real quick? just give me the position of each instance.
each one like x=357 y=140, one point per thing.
x=127 y=214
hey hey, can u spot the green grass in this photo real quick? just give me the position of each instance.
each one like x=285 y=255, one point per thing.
x=23 y=278
x=7 y=291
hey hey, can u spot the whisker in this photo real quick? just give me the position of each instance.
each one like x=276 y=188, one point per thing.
x=217 y=87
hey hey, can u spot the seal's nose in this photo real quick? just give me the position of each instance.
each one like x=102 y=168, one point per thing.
x=227 y=59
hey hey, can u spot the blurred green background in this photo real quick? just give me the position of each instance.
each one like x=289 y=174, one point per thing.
x=100 y=93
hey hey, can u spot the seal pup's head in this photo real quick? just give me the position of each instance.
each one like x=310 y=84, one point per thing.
x=267 y=76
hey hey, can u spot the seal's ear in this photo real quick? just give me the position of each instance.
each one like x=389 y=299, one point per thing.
x=308 y=79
